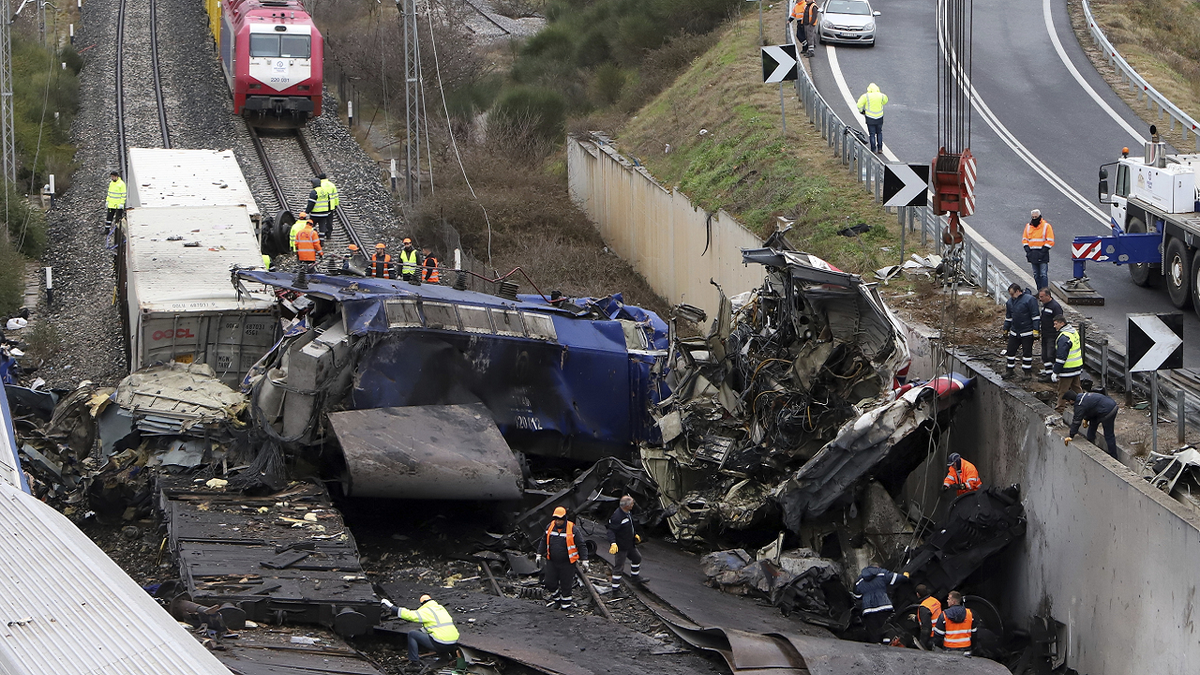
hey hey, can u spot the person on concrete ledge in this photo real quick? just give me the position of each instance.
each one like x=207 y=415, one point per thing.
x=961 y=474
x=1097 y=409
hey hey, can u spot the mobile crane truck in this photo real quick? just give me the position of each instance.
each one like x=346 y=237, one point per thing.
x=1154 y=212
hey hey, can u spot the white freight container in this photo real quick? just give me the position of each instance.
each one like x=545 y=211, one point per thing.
x=181 y=305
x=1171 y=188
x=166 y=178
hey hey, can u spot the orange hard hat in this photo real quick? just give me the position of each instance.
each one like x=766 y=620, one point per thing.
x=352 y=247
x=303 y=215
x=560 y=512
x=381 y=245
x=407 y=240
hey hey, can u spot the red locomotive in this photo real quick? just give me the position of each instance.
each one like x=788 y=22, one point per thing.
x=272 y=54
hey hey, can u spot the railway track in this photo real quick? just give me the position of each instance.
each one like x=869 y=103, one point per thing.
x=288 y=163
x=122 y=110
x=487 y=16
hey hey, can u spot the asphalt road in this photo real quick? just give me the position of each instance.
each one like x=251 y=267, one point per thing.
x=1043 y=122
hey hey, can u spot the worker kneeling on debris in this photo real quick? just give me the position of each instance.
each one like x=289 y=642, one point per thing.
x=437 y=633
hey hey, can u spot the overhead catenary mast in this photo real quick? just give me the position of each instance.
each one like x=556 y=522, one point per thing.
x=412 y=99
x=8 y=146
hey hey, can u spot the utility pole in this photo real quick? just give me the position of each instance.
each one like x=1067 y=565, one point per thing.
x=8 y=146
x=412 y=100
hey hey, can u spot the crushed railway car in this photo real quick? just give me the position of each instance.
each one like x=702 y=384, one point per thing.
x=559 y=378
x=273 y=58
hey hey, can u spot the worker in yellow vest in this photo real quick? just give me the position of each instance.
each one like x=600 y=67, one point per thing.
x=871 y=105
x=115 y=201
x=1068 y=361
x=437 y=632
x=410 y=266
x=302 y=222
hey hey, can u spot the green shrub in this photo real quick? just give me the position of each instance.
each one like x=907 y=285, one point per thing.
x=608 y=83
x=535 y=113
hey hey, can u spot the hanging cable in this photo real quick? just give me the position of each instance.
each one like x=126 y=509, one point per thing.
x=453 y=142
x=424 y=112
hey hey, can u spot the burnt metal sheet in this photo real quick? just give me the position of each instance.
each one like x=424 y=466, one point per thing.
x=427 y=452
x=795 y=654
x=221 y=541
x=258 y=652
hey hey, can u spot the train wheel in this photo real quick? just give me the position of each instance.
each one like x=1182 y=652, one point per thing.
x=1142 y=274
x=1178 y=273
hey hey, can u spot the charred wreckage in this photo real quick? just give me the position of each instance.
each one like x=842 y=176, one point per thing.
x=779 y=442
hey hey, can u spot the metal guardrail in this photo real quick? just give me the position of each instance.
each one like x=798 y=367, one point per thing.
x=1101 y=356
x=1138 y=84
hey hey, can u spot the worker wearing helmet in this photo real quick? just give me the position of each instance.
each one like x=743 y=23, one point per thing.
x=381 y=262
x=354 y=262
x=437 y=632
x=961 y=474
x=308 y=245
x=559 y=549
x=302 y=221
x=409 y=264
x=319 y=207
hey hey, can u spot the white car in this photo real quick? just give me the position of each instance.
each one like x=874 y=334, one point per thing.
x=850 y=22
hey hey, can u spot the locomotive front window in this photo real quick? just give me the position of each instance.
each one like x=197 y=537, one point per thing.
x=294 y=46
x=264 y=44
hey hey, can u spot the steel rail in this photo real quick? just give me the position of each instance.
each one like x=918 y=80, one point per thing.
x=158 y=92
x=119 y=72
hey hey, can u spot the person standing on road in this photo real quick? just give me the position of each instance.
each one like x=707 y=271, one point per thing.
x=1038 y=239
x=437 y=633
x=1068 y=360
x=622 y=543
x=956 y=626
x=319 y=208
x=1050 y=309
x=797 y=16
x=558 y=548
x=961 y=474
x=1020 y=322
x=871 y=105
x=809 y=19
x=1097 y=409
x=928 y=613
x=115 y=201
x=872 y=591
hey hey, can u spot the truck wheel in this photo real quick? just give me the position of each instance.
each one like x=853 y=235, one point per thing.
x=1142 y=274
x=1179 y=273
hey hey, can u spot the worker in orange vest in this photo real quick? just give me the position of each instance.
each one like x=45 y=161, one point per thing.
x=927 y=615
x=558 y=548
x=956 y=626
x=430 y=265
x=308 y=244
x=961 y=474
x=381 y=262
x=1038 y=239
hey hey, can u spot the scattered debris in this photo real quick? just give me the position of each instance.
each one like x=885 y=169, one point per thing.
x=797 y=581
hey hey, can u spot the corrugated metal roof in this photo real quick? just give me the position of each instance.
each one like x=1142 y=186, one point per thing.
x=171 y=276
x=67 y=609
x=165 y=178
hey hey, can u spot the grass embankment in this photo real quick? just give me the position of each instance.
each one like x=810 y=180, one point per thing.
x=1161 y=40
x=744 y=164
x=41 y=88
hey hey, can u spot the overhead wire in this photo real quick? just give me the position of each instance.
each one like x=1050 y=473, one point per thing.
x=450 y=131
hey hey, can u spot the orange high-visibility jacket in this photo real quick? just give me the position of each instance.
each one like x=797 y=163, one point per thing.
x=308 y=244
x=969 y=478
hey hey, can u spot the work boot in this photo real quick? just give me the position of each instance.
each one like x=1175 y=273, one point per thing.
x=638 y=579
x=1009 y=374
x=1026 y=375
x=552 y=600
x=1044 y=377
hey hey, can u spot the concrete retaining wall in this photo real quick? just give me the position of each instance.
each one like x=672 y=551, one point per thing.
x=658 y=230
x=1113 y=559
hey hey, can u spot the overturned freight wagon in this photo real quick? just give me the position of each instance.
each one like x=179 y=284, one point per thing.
x=418 y=374
x=173 y=267
x=169 y=178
